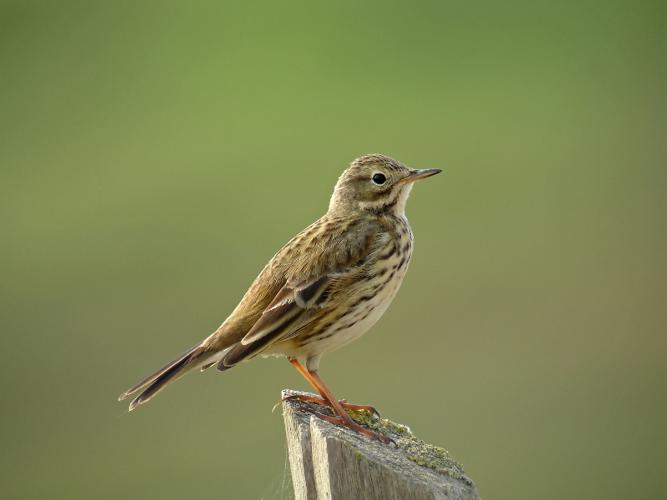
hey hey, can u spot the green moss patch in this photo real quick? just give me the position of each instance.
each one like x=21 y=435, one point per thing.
x=416 y=450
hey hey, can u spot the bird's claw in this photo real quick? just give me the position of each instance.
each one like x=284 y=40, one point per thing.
x=344 y=421
x=352 y=425
x=307 y=398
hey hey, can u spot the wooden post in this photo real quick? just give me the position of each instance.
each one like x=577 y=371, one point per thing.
x=331 y=462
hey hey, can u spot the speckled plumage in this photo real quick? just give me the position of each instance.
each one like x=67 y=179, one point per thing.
x=327 y=286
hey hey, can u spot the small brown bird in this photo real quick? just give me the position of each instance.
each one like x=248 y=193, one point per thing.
x=325 y=288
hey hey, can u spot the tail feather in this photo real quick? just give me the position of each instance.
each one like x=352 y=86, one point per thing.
x=170 y=372
x=140 y=385
x=207 y=365
x=240 y=352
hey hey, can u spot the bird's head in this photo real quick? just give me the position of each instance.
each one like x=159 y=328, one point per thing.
x=377 y=184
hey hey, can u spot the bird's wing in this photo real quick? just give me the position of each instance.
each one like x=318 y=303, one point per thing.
x=311 y=286
x=291 y=302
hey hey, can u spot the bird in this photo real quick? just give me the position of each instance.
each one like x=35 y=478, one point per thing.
x=323 y=289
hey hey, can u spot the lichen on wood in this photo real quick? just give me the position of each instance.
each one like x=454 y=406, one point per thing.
x=330 y=461
x=417 y=450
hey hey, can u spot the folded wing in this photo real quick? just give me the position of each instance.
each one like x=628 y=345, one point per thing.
x=290 y=309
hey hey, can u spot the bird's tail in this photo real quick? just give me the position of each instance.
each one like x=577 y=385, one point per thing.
x=198 y=356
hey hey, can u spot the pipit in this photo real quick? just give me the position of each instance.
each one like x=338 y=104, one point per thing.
x=325 y=288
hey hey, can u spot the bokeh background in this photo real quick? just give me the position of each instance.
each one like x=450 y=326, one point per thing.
x=154 y=155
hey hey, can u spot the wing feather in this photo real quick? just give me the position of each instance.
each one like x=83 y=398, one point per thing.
x=289 y=302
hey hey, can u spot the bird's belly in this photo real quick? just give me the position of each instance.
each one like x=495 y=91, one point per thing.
x=360 y=321
x=357 y=321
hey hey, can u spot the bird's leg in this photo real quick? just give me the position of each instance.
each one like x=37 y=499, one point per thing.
x=340 y=411
x=322 y=400
x=342 y=417
x=307 y=398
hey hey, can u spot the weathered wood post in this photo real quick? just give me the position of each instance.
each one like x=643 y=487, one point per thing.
x=330 y=462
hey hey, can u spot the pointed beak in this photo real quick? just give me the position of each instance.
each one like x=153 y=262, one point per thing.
x=423 y=173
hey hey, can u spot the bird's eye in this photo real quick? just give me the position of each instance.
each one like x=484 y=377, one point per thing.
x=378 y=179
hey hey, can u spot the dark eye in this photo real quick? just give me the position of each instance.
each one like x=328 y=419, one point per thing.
x=378 y=179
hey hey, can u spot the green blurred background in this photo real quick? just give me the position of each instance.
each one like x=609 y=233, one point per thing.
x=154 y=155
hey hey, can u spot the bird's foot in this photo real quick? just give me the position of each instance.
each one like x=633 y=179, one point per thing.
x=352 y=425
x=307 y=398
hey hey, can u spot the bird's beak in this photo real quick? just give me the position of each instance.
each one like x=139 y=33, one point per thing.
x=423 y=173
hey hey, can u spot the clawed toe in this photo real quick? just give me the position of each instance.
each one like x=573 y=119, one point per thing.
x=338 y=420
x=367 y=408
x=352 y=425
x=308 y=398
x=368 y=432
